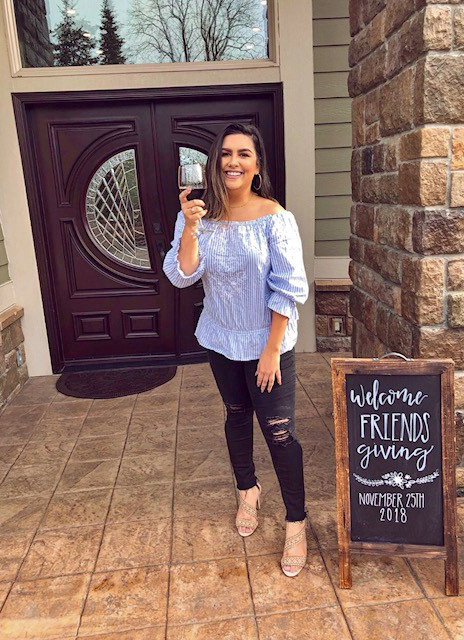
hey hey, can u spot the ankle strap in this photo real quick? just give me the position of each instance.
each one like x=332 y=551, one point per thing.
x=294 y=540
x=251 y=511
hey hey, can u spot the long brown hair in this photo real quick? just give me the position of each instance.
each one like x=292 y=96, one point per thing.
x=216 y=197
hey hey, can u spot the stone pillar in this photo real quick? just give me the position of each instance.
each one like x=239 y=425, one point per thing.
x=13 y=368
x=407 y=221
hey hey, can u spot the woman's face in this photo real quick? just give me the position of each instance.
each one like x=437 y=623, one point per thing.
x=239 y=162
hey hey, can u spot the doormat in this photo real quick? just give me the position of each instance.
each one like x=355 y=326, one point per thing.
x=113 y=383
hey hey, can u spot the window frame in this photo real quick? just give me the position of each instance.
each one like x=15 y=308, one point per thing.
x=17 y=70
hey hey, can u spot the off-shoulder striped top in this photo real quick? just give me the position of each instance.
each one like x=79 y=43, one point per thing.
x=249 y=269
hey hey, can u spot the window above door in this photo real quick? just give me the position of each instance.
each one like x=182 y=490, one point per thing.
x=110 y=36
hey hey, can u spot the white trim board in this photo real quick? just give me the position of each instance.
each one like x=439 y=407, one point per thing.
x=7 y=295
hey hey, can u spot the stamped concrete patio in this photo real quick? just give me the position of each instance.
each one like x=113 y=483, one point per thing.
x=117 y=523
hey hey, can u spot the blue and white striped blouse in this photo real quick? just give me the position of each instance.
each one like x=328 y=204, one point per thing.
x=248 y=268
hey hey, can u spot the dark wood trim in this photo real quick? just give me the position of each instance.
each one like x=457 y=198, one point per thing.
x=26 y=145
x=392 y=367
x=166 y=93
x=342 y=476
x=445 y=369
x=389 y=549
x=449 y=481
x=279 y=140
x=136 y=361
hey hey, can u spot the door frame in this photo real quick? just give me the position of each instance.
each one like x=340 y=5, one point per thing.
x=21 y=102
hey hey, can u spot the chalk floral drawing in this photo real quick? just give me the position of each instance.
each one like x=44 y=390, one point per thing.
x=397 y=479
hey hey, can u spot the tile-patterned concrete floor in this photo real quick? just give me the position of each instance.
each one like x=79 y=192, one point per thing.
x=117 y=523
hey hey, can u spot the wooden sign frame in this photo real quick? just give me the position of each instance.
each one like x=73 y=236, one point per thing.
x=448 y=552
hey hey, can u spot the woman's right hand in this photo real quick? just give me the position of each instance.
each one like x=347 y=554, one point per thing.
x=193 y=210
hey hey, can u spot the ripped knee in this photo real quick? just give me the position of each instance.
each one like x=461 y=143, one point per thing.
x=281 y=435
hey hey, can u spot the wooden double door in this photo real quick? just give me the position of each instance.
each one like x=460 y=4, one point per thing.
x=101 y=174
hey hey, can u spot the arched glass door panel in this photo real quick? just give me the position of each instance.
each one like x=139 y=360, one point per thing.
x=187 y=155
x=112 y=208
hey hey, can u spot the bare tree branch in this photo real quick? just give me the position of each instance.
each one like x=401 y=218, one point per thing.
x=191 y=30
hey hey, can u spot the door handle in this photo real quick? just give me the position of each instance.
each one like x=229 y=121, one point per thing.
x=161 y=248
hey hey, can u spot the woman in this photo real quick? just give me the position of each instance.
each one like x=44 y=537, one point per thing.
x=247 y=250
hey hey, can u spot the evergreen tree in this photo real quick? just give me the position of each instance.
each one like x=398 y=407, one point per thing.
x=73 y=48
x=110 y=41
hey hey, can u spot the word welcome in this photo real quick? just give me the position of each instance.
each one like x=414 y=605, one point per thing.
x=375 y=399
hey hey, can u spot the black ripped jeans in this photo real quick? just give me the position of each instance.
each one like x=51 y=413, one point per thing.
x=275 y=411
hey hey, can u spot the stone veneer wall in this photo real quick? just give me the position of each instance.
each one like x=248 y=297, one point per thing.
x=332 y=304
x=407 y=223
x=12 y=376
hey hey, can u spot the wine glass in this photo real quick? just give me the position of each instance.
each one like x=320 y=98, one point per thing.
x=192 y=176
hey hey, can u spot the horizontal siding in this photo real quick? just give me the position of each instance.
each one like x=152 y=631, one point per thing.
x=333 y=184
x=331 y=58
x=3 y=258
x=332 y=248
x=332 y=110
x=332 y=106
x=4 y=275
x=333 y=135
x=335 y=229
x=332 y=160
x=331 y=85
x=330 y=9
x=332 y=206
x=334 y=31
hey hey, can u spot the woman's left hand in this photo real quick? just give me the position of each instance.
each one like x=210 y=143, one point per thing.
x=268 y=370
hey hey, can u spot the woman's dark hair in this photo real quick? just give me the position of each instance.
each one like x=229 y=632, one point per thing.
x=216 y=197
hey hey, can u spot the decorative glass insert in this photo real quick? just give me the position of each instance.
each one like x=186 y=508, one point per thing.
x=112 y=207
x=68 y=33
x=191 y=156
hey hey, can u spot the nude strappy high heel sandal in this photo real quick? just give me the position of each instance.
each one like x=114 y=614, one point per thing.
x=251 y=511
x=294 y=561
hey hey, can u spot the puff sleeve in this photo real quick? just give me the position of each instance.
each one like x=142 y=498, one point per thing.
x=287 y=277
x=171 y=266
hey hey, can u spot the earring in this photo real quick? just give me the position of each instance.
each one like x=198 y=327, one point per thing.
x=260 y=182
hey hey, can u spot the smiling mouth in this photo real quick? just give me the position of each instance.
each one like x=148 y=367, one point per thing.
x=234 y=174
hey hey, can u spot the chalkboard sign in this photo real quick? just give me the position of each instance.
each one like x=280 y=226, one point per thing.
x=395 y=448
x=394 y=435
